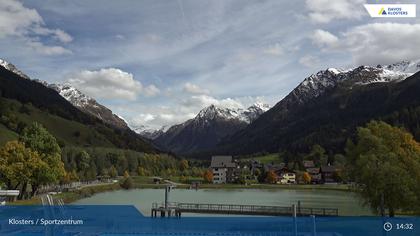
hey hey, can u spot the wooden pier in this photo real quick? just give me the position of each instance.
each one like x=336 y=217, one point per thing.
x=176 y=210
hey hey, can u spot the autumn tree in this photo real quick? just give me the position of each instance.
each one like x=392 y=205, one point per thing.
x=38 y=139
x=271 y=177
x=127 y=181
x=184 y=165
x=307 y=177
x=20 y=166
x=385 y=163
x=208 y=176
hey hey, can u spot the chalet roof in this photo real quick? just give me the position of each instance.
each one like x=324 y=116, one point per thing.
x=308 y=164
x=313 y=170
x=274 y=167
x=222 y=161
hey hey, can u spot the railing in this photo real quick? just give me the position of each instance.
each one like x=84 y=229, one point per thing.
x=246 y=209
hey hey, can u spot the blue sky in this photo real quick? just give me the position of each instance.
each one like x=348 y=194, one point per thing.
x=158 y=62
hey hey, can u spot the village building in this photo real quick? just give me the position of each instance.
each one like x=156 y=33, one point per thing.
x=286 y=176
x=328 y=174
x=315 y=173
x=308 y=164
x=225 y=169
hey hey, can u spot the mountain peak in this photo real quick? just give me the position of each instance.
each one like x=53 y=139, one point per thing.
x=260 y=105
x=404 y=66
x=209 y=127
x=88 y=104
x=9 y=66
x=72 y=94
x=316 y=84
x=248 y=115
x=212 y=112
x=148 y=132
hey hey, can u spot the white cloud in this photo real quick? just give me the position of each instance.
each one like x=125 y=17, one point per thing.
x=62 y=36
x=162 y=117
x=323 y=38
x=194 y=89
x=378 y=43
x=18 y=21
x=325 y=11
x=201 y=101
x=156 y=116
x=47 y=50
x=141 y=119
x=309 y=61
x=109 y=83
x=151 y=91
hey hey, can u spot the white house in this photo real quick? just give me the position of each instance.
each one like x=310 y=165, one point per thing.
x=224 y=169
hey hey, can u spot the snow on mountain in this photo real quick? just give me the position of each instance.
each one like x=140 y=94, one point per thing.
x=148 y=132
x=73 y=95
x=88 y=105
x=244 y=115
x=208 y=128
x=317 y=84
x=404 y=66
x=12 y=68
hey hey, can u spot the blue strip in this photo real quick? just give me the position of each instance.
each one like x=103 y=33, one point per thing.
x=106 y=220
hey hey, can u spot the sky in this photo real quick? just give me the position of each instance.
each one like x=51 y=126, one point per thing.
x=159 y=62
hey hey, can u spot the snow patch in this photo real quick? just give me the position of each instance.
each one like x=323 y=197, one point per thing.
x=12 y=68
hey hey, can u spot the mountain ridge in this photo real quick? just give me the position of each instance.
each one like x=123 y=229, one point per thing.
x=52 y=107
x=296 y=121
x=207 y=128
x=88 y=105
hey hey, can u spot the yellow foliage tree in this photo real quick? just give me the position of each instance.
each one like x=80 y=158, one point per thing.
x=208 y=176
x=20 y=166
x=307 y=177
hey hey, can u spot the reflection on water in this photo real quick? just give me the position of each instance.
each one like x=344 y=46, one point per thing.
x=348 y=203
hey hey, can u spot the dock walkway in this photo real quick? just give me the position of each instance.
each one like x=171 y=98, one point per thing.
x=176 y=209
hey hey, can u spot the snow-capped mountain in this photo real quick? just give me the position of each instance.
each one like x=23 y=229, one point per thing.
x=69 y=124
x=88 y=105
x=9 y=66
x=404 y=66
x=209 y=126
x=316 y=84
x=326 y=107
x=244 y=115
x=76 y=98
x=148 y=132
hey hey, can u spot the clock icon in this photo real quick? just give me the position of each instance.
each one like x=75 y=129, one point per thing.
x=387 y=226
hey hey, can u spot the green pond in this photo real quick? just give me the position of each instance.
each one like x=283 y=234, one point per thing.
x=348 y=203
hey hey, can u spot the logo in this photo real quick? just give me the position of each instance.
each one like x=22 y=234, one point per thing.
x=382 y=11
x=391 y=10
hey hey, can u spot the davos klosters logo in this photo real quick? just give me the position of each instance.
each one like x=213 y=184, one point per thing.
x=391 y=10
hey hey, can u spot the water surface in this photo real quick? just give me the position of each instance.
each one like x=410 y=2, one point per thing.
x=348 y=203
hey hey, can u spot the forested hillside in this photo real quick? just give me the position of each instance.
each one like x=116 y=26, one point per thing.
x=24 y=101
